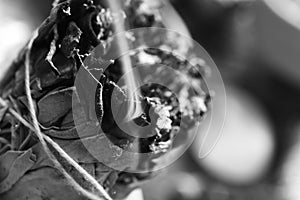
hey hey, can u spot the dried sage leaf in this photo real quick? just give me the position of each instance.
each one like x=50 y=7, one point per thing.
x=54 y=106
x=13 y=166
x=43 y=183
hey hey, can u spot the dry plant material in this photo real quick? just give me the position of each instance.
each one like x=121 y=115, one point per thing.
x=73 y=29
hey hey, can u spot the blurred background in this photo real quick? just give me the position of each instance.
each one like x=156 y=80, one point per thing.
x=256 y=46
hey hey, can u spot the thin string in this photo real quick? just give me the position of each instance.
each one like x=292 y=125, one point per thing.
x=72 y=182
x=61 y=152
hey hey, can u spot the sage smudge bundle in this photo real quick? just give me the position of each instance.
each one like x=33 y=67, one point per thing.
x=52 y=60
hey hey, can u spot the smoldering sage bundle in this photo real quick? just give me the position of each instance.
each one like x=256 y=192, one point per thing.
x=68 y=36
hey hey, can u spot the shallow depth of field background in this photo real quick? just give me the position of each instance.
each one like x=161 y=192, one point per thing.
x=257 y=50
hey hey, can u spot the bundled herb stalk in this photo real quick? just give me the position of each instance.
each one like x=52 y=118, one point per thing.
x=30 y=169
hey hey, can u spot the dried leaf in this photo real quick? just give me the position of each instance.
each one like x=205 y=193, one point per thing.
x=43 y=183
x=54 y=106
x=86 y=130
x=71 y=40
x=13 y=165
x=100 y=151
